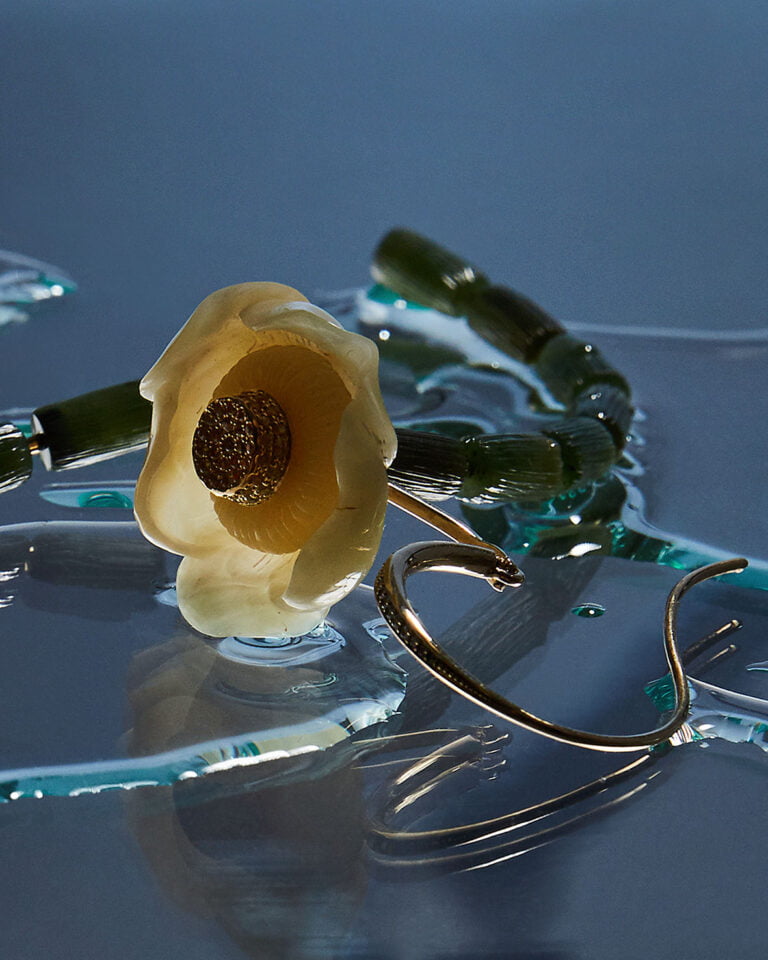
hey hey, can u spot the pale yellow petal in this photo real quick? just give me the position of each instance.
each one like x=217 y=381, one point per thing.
x=354 y=358
x=337 y=557
x=271 y=569
x=172 y=506
x=210 y=328
x=313 y=399
x=238 y=592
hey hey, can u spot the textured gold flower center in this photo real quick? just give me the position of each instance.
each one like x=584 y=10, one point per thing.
x=242 y=446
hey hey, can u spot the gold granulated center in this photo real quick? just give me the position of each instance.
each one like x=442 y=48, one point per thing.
x=242 y=446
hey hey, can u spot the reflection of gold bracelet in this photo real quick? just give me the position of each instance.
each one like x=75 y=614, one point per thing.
x=469 y=846
x=406 y=798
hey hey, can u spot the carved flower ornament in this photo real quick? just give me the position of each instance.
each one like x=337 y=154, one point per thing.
x=266 y=468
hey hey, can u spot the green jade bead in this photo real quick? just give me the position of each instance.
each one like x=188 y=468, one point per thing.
x=508 y=321
x=15 y=457
x=525 y=466
x=608 y=404
x=420 y=270
x=94 y=426
x=568 y=366
x=587 y=447
x=429 y=465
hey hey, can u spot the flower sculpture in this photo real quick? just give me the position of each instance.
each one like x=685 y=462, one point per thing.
x=266 y=468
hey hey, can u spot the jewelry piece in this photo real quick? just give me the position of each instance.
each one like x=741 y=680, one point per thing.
x=527 y=466
x=266 y=469
x=269 y=439
x=270 y=443
x=405 y=623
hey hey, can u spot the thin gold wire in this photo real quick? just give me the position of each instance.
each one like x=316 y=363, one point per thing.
x=507 y=574
x=474 y=557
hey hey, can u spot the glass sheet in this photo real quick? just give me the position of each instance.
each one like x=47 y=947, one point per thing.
x=300 y=791
x=104 y=573
x=607 y=160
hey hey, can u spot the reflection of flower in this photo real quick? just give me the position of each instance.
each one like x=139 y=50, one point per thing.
x=275 y=566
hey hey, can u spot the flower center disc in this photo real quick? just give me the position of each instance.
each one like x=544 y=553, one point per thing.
x=242 y=446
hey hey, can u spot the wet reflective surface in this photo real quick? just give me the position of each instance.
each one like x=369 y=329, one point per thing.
x=301 y=795
x=345 y=804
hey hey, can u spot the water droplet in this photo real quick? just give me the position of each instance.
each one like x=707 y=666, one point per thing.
x=589 y=610
x=377 y=629
x=9 y=789
x=105 y=498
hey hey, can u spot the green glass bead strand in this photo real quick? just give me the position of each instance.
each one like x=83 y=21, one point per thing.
x=92 y=427
x=15 y=457
x=537 y=466
x=420 y=270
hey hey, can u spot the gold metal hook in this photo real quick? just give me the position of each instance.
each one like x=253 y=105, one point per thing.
x=479 y=559
x=504 y=574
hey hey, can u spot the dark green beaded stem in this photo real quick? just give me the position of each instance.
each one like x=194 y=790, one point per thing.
x=15 y=457
x=537 y=466
x=92 y=427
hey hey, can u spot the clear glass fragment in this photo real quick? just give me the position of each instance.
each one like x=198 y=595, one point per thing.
x=24 y=281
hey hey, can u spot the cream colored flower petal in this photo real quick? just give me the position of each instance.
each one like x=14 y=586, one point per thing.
x=225 y=587
x=313 y=398
x=213 y=322
x=172 y=506
x=354 y=358
x=239 y=593
x=337 y=557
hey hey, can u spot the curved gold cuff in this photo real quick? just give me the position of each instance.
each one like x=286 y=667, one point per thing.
x=486 y=562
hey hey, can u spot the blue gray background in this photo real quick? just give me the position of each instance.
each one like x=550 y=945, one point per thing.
x=609 y=159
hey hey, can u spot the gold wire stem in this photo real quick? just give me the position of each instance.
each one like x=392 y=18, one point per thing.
x=507 y=573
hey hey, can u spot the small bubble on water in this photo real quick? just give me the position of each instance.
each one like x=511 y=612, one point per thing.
x=589 y=610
